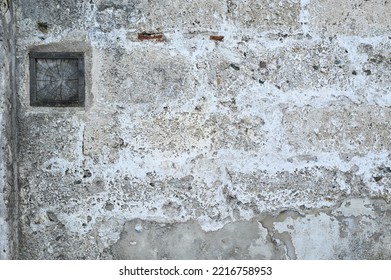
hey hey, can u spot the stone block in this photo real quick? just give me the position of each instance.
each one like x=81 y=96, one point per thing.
x=344 y=129
x=192 y=133
x=316 y=64
x=184 y=16
x=265 y=16
x=148 y=77
x=357 y=18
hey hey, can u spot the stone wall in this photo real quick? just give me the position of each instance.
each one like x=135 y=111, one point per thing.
x=236 y=129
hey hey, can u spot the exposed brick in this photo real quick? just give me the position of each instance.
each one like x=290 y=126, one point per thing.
x=216 y=38
x=159 y=37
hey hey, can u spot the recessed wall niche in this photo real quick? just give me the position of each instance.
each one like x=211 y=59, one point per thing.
x=57 y=79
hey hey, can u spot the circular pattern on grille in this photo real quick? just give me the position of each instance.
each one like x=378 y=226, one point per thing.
x=57 y=79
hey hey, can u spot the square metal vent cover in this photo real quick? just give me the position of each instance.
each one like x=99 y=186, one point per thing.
x=57 y=79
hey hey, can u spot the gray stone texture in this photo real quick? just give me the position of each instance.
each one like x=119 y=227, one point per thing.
x=3 y=209
x=271 y=141
x=8 y=142
x=358 y=18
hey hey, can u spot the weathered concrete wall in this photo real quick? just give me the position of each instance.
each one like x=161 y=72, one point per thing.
x=8 y=184
x=3 y=209
x=277 y=132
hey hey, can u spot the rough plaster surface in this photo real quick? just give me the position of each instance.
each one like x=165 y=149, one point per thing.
x=4 y=247
x=5 y=234
x=279 y=131
x=149 y=240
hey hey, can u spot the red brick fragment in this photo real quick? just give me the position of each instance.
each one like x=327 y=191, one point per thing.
x=216 y=38
x=159 y=37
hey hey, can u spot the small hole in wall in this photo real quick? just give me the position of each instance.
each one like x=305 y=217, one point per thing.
x=87 y=173
x=43 y=26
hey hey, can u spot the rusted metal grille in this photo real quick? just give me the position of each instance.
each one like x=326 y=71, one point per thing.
x=57 y=79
